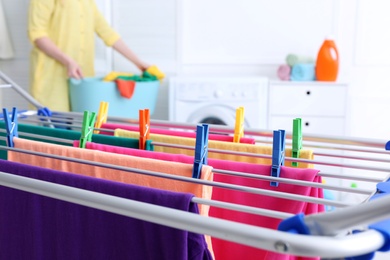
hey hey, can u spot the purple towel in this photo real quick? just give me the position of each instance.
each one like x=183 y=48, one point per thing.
x=38 y=227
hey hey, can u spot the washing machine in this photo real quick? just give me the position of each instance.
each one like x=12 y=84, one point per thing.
x=214 y=100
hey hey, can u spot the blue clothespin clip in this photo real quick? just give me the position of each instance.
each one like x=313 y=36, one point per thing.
x=44 y=111
x=277 y=154
x=201 y=149
x=387 y=146
x=11 y=125
x=87 y=128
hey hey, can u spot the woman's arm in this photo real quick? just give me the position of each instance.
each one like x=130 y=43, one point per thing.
x=46 y=45
x=123 y=49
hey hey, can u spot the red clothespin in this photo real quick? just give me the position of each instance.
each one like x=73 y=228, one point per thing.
x=87 y=128
x=278 y=147
x=201 y=149
x=11 y=125
x=144 y=127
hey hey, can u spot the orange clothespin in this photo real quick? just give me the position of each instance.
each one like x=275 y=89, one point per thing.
x=101 y=116
x=239 y=127
x=144 y=127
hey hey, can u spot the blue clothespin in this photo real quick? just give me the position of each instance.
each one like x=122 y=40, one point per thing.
x=277 y=154
x=387 y=146
x=11 y=125
x=201 y=149
x=44 y=111
x=87 y=128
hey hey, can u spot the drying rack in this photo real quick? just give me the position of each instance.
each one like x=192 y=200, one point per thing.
x=327 y=230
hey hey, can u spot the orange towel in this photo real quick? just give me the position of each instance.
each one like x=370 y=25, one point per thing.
x=173 y=168
x=228 y=146
x=126 y=87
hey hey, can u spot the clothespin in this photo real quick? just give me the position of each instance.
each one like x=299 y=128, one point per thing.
x=87 y=128
x=101 y=116
x=11 y=125
x=144 y=127
x=239 y=126
x=277 y=154
x=296 y=139
x=201 y=149
x=44 y=111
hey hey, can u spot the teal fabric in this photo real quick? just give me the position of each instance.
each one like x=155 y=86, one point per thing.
x=69 y=135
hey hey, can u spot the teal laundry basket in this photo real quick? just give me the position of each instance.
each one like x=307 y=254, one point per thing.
x=86 y=94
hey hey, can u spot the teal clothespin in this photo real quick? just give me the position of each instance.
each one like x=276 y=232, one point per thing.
x=278 y=151
x=11 y=125
x=87 y=128
x=296 y=140
x=201 y=149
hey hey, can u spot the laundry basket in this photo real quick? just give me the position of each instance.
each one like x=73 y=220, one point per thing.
x=86 y=94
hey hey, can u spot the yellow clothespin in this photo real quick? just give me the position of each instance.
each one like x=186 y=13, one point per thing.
x=101 y=116
x=239 y=127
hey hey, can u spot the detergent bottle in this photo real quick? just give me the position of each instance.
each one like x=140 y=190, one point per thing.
x=327 y=63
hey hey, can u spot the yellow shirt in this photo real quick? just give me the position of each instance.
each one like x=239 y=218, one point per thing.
x=71 y=25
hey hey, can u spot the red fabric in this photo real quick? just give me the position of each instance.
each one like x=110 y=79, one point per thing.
x=225 y=250
x=126 y=87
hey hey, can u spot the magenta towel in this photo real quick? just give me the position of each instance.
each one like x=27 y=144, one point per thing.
x=216 y=137
x=227 y=250
x=284 y=72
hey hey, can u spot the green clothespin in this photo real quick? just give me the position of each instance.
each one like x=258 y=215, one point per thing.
x=87 y=128
x=296 y=139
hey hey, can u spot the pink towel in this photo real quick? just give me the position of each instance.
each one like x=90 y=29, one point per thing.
x=216 y=137
x=284 y=72
x=225 y=249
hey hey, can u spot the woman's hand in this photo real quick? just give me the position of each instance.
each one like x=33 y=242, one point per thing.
x=74 y=70
x=142 y=66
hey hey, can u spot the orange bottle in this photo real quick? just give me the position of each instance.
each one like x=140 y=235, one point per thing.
x=327 y=64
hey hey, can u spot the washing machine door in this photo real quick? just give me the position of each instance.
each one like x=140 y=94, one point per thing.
x=214 y=114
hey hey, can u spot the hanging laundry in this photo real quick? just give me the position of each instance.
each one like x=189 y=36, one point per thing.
x=237 y=147
x=115 y=159
x=69 y=135
x=180 y=169
x=217 y=137
x=228 y=250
